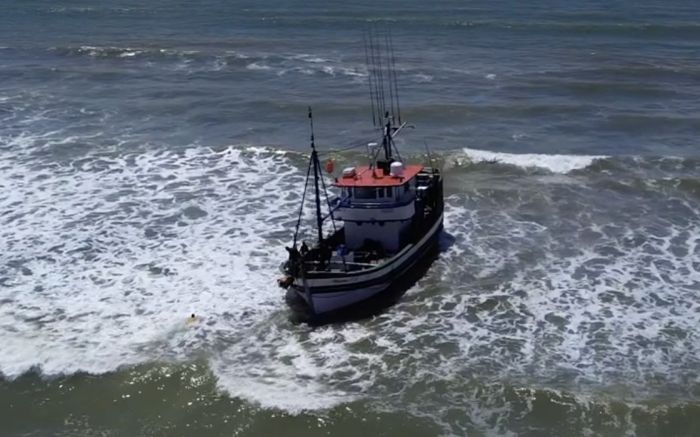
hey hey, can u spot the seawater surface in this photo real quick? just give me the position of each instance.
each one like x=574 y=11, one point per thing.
x=151 y=157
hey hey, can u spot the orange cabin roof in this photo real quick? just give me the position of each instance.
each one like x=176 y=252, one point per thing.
x=365 y=177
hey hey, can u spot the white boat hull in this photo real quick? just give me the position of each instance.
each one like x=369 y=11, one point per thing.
x=335 y=292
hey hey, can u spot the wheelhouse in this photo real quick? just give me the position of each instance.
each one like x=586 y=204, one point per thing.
x=378 y=206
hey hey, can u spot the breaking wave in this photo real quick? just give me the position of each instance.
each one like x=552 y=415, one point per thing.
x=203 y=60
x=107 y=256
x=553 y=163
x=544 y=286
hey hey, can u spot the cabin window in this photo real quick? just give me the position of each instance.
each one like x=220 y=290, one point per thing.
x=365 y=193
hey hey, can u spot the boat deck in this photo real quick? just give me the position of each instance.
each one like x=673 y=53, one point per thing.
x=368 y=177
x=345 y=263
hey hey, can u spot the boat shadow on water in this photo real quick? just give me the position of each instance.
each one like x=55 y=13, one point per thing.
x=301 y=313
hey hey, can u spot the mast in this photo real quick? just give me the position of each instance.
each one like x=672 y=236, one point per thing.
x=386 y=142
x=317 y=171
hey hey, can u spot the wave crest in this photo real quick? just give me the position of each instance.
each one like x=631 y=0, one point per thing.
x=553 y=163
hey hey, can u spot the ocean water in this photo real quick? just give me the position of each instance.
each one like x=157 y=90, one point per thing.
x=151 y=157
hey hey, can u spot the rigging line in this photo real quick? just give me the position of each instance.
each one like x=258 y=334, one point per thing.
x=389 y=74
x=397 y=150
x=372 y=75
x=319 y=217
x=378 y=77
x=328 y=202
x=370 y=71
x=330 y=212
x=430 y=157
x=380 y=68
x=369 y=80
x=301 y=207
x=317 y=169
x=360 y=143
x=393 y=68
x=393 y=134
x=376 y=154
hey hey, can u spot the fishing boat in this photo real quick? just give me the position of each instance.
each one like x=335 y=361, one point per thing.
x=384 y=220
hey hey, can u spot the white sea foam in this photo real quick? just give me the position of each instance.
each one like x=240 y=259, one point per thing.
x=423 y=78
x=258 y=66
x=554 y=163
x=105 y=258
x=311 y=58
x=130 y=53
x=237 y=55
x=606 y=310
x=285 y=372
x=306 y=64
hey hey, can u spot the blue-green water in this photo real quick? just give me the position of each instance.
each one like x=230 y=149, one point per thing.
x=151 y=155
